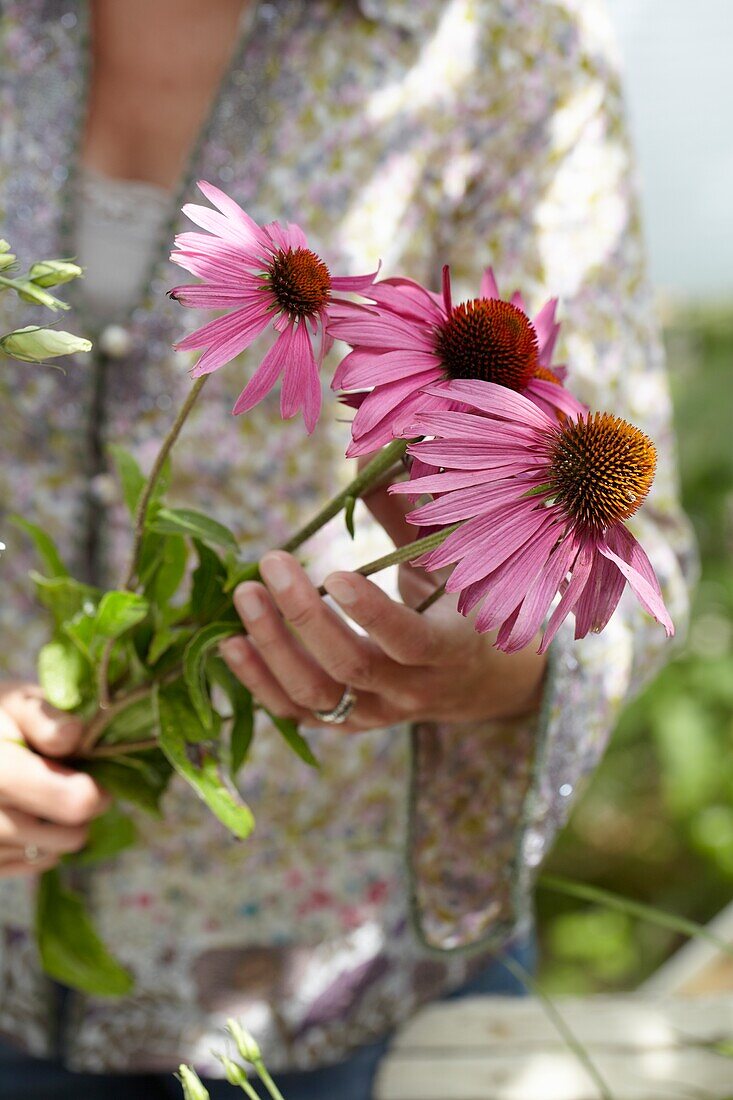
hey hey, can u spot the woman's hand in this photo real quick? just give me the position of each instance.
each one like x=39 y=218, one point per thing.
x=299 y=654
x=45 y=808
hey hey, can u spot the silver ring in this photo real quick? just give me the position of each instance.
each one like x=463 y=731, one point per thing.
x=32 y=853
x=341 y=711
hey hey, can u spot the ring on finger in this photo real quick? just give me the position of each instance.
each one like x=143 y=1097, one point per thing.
x=32 y=853
x=341 y=711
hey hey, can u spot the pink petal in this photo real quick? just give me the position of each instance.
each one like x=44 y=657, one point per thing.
x=354 y=283
x=518 y=301
x=221 y=327
x=510 y=532
x=475 y=456
x=544 y=323
x=233 y=211
x=573 y=592
x=539 y=597
x=507 y=586
x=495 y=400
x=447 y=297
x=648 y=595
x=206 y=296
x=266 y=375
x=372 y=368
x=221 y=226
x=227 y=348
x=556 y=396
x=600 y=597
x=386 y=399
x=475 y=500
x=454 y=425
x=301 y=384
x=445 y=482
x=387 y=332
x=489 y=288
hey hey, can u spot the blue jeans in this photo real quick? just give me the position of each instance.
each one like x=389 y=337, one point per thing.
x=24 y=1078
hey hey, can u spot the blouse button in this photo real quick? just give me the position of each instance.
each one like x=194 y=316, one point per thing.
x=115 y=341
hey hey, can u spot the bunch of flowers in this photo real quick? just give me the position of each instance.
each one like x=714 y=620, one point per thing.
x=521 y=489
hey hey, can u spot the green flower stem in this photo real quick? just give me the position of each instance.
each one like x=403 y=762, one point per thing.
x=388 y=459
x=634 y=909
x=404 y=553
x=149 y=487
x=139 y=529
x=518 y=971
x=431 y=599
x=267 y=1081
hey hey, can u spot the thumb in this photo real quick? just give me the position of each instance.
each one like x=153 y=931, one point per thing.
x=389 y=510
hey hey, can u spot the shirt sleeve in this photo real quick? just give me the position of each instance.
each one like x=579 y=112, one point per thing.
x=538 y=181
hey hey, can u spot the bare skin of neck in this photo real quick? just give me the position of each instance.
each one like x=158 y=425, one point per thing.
x=156 y=69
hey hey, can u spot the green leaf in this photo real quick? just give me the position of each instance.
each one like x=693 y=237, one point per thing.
x=170 y=571
x=118 y=611
x=184 y=521
x=45 y=547
x=209 y=578
x=242 y=718
x=289 y=729
x=238 y=572
x=62 y=674
x=198 y=763
x=164 y=637
x=194 y=665
x=109 y=834
x=131 y=477
x=134 y=723
x=65 y=597
x=70 y=949
x=349 y=515
x=141 y=779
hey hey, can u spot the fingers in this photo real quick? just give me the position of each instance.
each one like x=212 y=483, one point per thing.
x=13 y=865
x=408 y=638
x=298 y=674
x=347 y=657
x=245 y=662
x=44 y=788
x=49 y=731
x=19 y=830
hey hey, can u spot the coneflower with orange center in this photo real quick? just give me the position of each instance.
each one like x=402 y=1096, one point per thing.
x=261 y=275
x=411 y=338
x=541 y=504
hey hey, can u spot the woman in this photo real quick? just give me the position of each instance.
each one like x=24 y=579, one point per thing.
x=467 y=132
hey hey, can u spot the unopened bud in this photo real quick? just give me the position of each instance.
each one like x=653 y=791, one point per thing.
x=34 y=345
x=193 y=1088
x=245 y=1044
x=54 y=272
x=234 y=1073
x=37 y=295
x=7 y=258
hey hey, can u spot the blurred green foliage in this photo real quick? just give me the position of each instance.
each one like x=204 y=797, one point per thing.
x=656 y=822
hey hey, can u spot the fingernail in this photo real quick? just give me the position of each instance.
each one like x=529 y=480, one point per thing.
x=341 y=590
x=231 y=651
x=277 y=573
x=249 y=604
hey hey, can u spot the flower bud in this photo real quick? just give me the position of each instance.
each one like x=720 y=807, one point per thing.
x=54 y=272
x=37 y=295
x=245 y=1044
x=193 y=1089
x=7 y=258
x=234 y=1073
x=34 y=345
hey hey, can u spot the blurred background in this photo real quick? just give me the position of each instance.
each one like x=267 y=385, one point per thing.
x=656 y=824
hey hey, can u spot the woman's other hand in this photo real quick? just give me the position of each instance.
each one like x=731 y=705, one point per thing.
x=45 y=807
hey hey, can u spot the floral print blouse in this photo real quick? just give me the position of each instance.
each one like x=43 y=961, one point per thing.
x=417 y=132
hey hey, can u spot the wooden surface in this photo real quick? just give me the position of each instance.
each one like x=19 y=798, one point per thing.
x=495 y=1048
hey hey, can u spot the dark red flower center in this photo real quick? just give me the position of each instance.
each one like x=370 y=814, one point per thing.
x=300 y=281
x=491 y=340
x=602 y=469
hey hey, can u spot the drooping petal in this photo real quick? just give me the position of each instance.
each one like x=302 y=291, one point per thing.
x=385 y=400
x=508 y=535
x=506 y=587
x=267 y=374
x=475 y=500
x=363 y=369
x=600 y=597
x=353 y=284
x=571 y=595
x=240 y=336
x=539 y=597
x=222 y=327
x=648 y=596
x=301 y=385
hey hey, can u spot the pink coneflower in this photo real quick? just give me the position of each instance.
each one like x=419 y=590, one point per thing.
x=259 y=274
x=539 y=501
x=412 y=337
